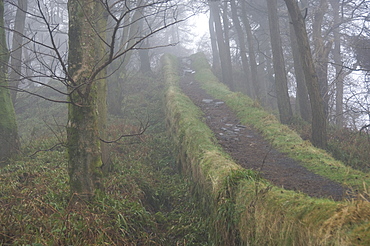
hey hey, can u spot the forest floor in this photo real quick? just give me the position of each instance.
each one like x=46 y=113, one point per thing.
x=249 y=149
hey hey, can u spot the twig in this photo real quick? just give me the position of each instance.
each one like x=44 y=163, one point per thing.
x=143 y=129
x=50 y=149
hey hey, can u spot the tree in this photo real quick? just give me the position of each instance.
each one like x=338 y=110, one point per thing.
x=321 y=52
x=225 y=59
x=17 y=45
x=281 y=82
x=82 y=69
x=89 y=55
x=85 y=48
x=303 y=103
x=9 y=144
x=319 y=136
x=242 y=47
x=252 y=56
x=212 y=33
x=338 y=65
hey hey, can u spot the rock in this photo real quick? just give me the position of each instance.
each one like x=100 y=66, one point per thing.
x=207 y=100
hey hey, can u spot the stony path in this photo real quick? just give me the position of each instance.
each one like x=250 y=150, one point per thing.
x=248 y=148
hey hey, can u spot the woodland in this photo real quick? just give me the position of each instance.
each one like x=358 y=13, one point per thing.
x=105 y=138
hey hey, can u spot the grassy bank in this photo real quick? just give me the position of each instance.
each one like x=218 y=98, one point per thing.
x=146 y=201
x=246 y=210
x=280 y=136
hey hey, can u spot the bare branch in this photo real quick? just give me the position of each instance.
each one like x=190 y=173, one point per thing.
x=143 y=128
x=50 y=149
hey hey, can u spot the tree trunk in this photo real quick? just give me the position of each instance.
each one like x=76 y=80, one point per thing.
x=243 y=49
x=102 y=89
x=225 y=23
x=319 y=137
x=212 y=33
x=9 y=144
x=339 y=74
x=144 y=58
x=129 y=36
x=86 y=18
x=303 y=102
x=252 y=55
x=285 y=110
x=17 y=43
x=225 y=60
x=321 y=53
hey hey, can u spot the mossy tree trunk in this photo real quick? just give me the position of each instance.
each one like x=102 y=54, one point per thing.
x=9 y=143
x=86 y=49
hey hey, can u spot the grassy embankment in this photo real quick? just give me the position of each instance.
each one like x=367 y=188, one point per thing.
x=146 y=201
x=246 y=209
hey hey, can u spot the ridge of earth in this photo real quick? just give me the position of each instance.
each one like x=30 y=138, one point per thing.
x=250 y=150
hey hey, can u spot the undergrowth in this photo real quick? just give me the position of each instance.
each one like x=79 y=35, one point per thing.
x=346 y=145
x=351 y=147
x=146 y=201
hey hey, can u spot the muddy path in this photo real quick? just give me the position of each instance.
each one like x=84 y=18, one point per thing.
x=249 y=149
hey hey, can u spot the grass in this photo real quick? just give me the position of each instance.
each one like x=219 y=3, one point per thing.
x=281 y=137
x=146 y=201
x=245 y=209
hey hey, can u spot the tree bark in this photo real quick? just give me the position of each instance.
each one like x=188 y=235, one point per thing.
x=281 y=82
x=321 y=52
x=303 y=102
x=319 y=136
x=83 y=144
x=9 y=143
x=17 y=43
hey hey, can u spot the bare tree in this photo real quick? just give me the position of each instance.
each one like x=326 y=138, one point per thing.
x=83 y=69
x=319 y=136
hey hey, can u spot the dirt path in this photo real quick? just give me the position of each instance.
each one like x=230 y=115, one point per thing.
x=248 y=148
